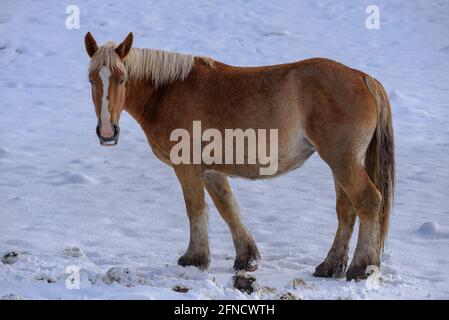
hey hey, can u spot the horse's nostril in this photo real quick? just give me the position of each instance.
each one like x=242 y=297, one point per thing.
x=116 y=131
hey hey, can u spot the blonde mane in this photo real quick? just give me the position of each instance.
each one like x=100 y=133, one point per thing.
x=162 y=67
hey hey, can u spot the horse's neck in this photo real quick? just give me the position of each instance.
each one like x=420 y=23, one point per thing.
x=138 y=96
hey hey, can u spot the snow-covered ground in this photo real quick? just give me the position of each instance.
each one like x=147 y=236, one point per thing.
x=123 y=208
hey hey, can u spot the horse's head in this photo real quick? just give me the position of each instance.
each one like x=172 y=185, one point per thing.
x=107 y=75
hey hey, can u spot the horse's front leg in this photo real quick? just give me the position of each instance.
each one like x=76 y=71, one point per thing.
x=192 y=183
x=247 y=255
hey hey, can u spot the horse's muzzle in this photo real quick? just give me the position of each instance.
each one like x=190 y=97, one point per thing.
x=112 y=141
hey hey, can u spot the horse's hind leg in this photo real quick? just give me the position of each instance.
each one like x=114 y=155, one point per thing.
x=336 y=261
x=192 y=184
x=247 y=254
x=366 y=200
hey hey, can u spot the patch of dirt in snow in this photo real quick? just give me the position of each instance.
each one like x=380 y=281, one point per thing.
x=288 y=296
x=180 y=289
x=10 y=257
x=245 y=282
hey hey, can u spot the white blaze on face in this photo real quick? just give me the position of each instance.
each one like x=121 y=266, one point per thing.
x=106 y=129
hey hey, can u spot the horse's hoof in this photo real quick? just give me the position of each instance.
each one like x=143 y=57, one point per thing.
x=246 y=264
x=201 y=262
x=356 y=273
x=335 y=269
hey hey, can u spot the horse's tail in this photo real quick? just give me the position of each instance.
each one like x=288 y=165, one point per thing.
x=379 y=160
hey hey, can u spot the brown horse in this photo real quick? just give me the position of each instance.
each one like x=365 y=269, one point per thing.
x=315 y=105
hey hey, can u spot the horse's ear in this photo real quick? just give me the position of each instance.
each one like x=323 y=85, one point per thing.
x=91 y=44
x=124 y=47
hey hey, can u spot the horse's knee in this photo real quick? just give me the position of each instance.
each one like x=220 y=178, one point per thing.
x=217 y=184
x=199 y=219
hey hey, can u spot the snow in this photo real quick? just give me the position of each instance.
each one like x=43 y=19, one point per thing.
x=117 y=214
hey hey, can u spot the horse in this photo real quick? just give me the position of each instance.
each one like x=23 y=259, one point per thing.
x=316 y=105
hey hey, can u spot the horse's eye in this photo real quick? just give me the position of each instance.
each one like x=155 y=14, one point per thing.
x=122 y=81
x=90 y=81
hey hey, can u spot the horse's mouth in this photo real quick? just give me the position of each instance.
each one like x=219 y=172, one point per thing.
x=110 y=141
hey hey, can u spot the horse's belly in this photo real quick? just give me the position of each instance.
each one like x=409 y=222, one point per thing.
x=293 y=151
x=294 y=154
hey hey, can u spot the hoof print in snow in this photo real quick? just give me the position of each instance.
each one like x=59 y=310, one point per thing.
x=244 y=282
x=124 y=277
x=288 y=296
x=180 y=289
x=73 y=252
x=10 y=257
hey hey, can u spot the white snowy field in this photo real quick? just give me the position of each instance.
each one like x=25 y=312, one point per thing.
x=123 y=208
